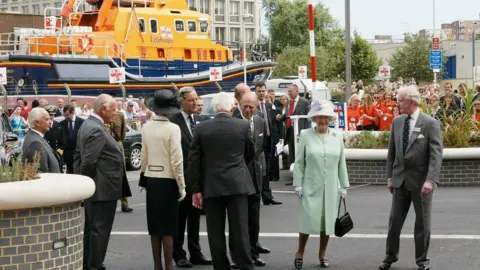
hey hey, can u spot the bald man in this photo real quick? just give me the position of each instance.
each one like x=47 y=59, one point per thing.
x=240 y=90
x=99 y=157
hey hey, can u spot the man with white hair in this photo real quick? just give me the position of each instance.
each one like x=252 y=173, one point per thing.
x=413 y=172
x=99 y=157
x=219 y=179
x=39 y=122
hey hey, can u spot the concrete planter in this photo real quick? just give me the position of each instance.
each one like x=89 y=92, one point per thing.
x=459 y=168
x=40 y=222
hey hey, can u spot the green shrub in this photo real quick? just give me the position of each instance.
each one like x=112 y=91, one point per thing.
x=20 y=171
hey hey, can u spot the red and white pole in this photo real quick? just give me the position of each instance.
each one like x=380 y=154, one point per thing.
x=311 y=28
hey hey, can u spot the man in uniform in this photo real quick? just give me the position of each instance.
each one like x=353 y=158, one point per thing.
x=118 y=130
x=55 y=135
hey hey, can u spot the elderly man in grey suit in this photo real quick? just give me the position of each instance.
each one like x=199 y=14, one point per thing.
x=219 y=179
x=257 y=168
x=99 y=157
x=413 y=168
x=40 y=122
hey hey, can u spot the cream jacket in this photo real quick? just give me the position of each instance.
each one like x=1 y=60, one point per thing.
x=162 y=150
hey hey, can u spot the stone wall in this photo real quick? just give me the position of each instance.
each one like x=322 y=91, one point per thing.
x=27 y=236
x=455 y=172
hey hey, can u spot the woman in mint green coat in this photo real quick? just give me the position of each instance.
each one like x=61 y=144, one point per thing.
x=320 y=174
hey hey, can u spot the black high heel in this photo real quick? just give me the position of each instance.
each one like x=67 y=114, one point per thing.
x=298 y=263
x=324 y=263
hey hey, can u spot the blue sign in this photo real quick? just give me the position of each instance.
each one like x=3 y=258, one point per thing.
x=340 y=109
x=435 y=59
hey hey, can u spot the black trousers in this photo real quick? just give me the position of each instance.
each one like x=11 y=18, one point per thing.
x=291 y=145
x=266 y=191
x=253 y=227
x=216 y=209
x=99 y=217
x=189 y=217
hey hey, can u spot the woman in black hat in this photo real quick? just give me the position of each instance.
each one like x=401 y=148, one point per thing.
x=162 y=174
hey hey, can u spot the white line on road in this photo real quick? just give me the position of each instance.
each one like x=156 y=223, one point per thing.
x=358 y=236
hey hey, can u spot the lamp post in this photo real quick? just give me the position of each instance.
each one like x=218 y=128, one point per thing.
x=245 y=16
x=348 y=52
x=434 y=35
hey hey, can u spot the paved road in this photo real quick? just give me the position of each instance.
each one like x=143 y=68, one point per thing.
x=455 y=226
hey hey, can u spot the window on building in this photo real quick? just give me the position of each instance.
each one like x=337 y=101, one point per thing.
x=179 y=27
x=141 y=25
x=4 y=1
x=36 y=9
x=192 y=26
x=14 y=9
x=234 y=11
x=46 y=5
x=192 y=4
x=25 y=9
x=204 y=26
x=249 y=35
x=205 y=6
x=220 y=10
x=220 y=33
x=58 y=4
x=234 y=34
x=153 y=26
x=248 y=9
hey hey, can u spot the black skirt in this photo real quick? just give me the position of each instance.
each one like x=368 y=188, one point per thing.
x=162 y=206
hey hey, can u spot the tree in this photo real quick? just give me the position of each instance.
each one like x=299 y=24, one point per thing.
x=289 y=24
x=413 y=60
x=365 y=61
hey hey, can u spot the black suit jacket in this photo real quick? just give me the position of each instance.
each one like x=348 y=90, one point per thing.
x=273 y=124
x=56 y=137
x=186 y=136
x=218 y=158
x=71 y=142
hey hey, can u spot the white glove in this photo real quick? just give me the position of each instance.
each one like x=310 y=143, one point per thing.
x=342 y=192
x=142 y=189
x=182 y=194
x=299 y=192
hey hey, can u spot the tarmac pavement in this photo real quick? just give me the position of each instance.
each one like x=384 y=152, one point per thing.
x=455 y=240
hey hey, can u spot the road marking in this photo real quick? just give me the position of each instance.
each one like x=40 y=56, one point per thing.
x=353 y=235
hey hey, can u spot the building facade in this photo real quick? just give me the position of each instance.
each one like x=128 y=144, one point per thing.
x=229 y=20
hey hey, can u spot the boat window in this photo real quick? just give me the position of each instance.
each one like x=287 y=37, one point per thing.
x=179 y=27
x=188 y=54
x=153 y=26
x=192 y=26
x=141 y=25
x=203 y=26
x=284 y=85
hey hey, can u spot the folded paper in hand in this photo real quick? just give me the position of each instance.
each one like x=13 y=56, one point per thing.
x=279 y=147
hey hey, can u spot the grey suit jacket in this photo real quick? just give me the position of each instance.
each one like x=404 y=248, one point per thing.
x=217 y=161
x=99 y=157
x=423 y=158
x=302 y=108
x=49 y=161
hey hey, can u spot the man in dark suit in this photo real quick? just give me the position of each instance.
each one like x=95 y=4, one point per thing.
x=297 y=106
x=265 y=110
x=414 y=161
x=186 y=120
x=219 y=179
x=99 y=157
x=240 y=90
x=257 y=168
x=55 y=135
x=70 y=126
x=40 y=122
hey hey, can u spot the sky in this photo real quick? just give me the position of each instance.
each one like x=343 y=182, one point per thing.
x=395 y=17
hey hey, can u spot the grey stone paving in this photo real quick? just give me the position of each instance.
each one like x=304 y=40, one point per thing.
x=456 y=212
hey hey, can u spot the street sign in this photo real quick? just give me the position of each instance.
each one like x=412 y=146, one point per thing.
x=117 y=75
x=436 y=60
x=3 y=75
x=384 y=72
x=215 y=74
x=436 y=43
x=302 y=72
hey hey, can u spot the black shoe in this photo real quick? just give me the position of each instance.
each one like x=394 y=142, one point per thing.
x=289 y=184
x=298 y=263
x=385 y=266
x=423 y=267
x=272 y=202
x=183 y=263
x=259 y=262
x=200 y=260
x=127 y=209
x=263 y=250
x=234 y=266
x=324 y=263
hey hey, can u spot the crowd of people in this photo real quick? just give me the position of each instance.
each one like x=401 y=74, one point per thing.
x=222 y=167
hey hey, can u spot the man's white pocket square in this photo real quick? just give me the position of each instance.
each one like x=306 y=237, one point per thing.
x=420 y=136
x=260 y=135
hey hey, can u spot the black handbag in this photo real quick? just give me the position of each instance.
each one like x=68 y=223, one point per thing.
x=143 y=180
x=344 y=223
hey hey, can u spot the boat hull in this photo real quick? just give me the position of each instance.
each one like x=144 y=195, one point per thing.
x=44 y=75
